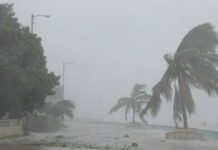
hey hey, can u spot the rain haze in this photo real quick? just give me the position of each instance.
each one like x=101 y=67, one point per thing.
x=114 y=44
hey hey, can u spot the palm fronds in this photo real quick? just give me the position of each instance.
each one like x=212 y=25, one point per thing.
x=138 y=98
x=120 y=103
x=62 y=108
x=137 y=89
x=162 y=88
x=200 y=37
x=194 y=65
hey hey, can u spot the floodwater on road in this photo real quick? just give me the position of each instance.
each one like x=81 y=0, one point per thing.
x=87 y=135
x=12 y=146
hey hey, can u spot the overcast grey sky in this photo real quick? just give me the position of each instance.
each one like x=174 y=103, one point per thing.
x=115 y=44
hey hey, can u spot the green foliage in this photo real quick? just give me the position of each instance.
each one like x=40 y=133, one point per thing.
x=138 y=98
x=25 y=80
x=60 y=109
x=193 y=65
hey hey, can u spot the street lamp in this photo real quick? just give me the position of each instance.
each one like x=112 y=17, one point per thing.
x=64 y=64
x=33 y=19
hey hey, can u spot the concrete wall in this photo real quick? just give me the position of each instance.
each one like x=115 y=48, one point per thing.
x=10 y=128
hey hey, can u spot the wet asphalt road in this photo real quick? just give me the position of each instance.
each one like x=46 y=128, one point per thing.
x=18 y=147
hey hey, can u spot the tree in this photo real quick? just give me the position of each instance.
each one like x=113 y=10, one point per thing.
x=138 y=98
x=60 y=109
x=193 y=65
x=25 y=80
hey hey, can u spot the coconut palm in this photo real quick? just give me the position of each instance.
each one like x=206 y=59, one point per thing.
x=138 y=98
x=61 y=109
x=192 y=65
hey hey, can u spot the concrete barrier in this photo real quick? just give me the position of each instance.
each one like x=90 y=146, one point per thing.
x=185 y=134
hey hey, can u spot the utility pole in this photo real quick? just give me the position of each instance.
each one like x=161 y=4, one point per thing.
x=32 y=22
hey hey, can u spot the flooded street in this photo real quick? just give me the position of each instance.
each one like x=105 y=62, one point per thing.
x=84 y=135
x=143 y=73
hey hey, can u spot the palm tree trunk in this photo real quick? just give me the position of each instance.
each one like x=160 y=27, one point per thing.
x=62 y=120
x=184 y=113
x=133 y=115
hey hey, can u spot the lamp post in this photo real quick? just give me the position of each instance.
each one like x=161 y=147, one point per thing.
x=64 y=65
x=33 y=19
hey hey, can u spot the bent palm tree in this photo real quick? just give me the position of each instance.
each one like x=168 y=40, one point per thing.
x=138 y=98
x=61 y=109
x=193 y=65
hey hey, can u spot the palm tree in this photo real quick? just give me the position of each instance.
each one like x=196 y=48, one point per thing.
x=61 y=109
x=193 y=65
x=138 y=98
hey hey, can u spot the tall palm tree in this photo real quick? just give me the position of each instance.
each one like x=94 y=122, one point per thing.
x=61 y=109
x=138 y=98
x=193 y=65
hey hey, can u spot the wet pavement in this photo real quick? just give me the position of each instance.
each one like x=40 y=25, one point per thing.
x=18 y=147
x=87 y=135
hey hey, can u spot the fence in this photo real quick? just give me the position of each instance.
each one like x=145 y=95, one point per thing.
x=10 y=128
